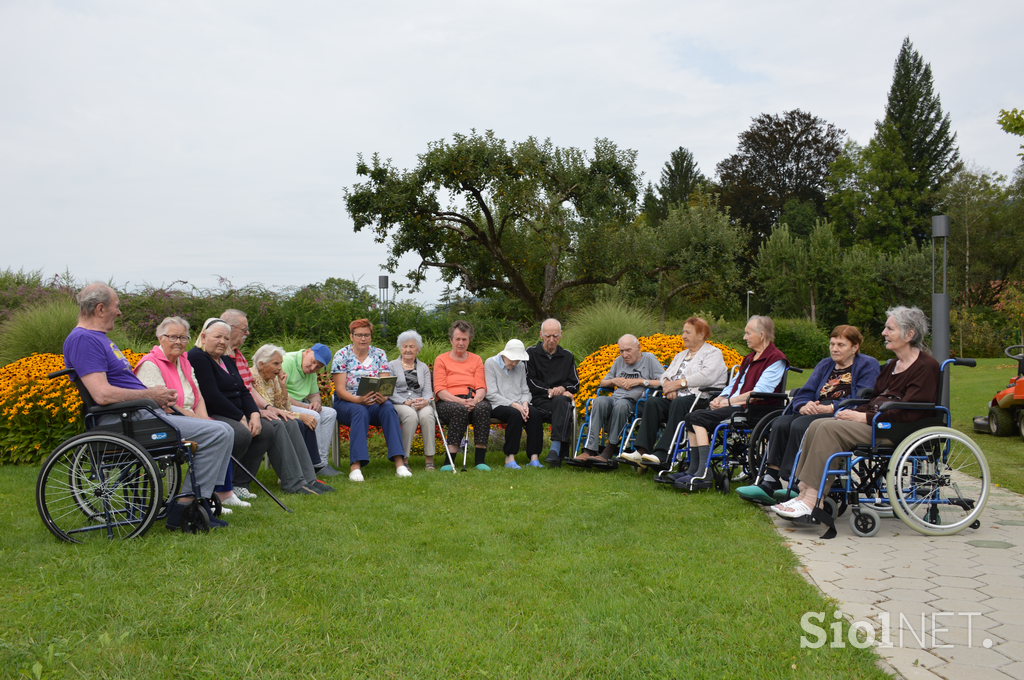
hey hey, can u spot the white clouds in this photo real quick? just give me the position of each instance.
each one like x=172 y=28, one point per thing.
x=203 y=129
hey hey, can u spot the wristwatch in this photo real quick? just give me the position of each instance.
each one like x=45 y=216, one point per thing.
x=647 y=383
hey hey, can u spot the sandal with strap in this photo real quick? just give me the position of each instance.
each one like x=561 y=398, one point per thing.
x=430 y=467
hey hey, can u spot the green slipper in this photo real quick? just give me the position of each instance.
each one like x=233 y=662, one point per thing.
x=483 y=467
x=446 y=468
x=783 y=495
x=755 y=494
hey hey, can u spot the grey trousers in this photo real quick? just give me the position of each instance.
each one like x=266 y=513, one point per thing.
x=288 y=454
x=611 y=415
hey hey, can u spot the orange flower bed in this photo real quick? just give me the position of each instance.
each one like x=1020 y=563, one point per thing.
x=595 y=367
x=36 y=413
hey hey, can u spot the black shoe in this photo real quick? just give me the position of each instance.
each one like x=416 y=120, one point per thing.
x=320 y=487
x=174 y=515
x=327 y=471
x=553 y=462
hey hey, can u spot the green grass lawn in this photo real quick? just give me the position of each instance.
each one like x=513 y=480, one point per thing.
x=531 y=573
x=534 y=573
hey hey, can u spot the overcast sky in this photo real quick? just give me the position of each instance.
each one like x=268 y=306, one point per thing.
x=151 y=142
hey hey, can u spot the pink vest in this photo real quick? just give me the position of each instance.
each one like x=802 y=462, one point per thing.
x=170 y=373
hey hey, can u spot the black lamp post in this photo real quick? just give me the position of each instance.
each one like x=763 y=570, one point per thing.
x=940 y=302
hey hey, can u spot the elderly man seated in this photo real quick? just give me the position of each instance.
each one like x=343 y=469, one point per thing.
x=631 y=373
x=302 y=368
x=552 y=379
x=109 y=379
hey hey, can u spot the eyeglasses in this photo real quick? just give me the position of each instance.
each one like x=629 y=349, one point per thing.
x=245 y=331
x=362 y=336
x=177 y=338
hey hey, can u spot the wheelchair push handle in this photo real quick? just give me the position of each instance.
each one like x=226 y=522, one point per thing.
x=958 y=362
x=57 y=374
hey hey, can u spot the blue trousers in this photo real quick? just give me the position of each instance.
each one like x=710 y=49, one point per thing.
x=359 y=418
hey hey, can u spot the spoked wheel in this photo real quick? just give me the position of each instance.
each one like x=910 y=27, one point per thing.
x=172 y=481
x=757 y=445
x=938 y=481
x=98 y=484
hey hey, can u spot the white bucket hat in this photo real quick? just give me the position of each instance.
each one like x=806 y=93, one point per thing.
x=515 y=351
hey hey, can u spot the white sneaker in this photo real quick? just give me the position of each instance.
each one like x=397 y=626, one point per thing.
x=355 y=476
x=403 y=471
x=236 y=502
x=244 y=493
x=225 y=511
x=632 y=456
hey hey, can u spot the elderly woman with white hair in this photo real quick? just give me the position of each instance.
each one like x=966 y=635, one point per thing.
x=913 y=377
x=294 y=433
x=412 y=395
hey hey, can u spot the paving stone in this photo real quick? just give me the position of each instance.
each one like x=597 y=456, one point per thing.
x=911 y=661
x=960 y=671
x=966 y=572
x=1013 y=649
x=1011 y=616
x=976 y=656
x=947 y=605
x=1009 y=590
x=965 y=594
x=1014 y=670
x=861 y=596
x=963 y=636
x=954 y=581
x=998 y=545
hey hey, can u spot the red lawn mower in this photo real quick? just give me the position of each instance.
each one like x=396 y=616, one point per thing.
x=1006 y=410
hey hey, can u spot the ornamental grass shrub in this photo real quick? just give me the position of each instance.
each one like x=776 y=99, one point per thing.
x=603 y=323
x=40 y=328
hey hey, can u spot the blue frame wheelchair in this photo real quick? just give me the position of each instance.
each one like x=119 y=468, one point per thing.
x=116 y=479
x=934 y=478
x=584 y=430
x=737 y=444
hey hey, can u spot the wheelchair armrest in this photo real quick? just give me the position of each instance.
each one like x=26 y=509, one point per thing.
x=57 y=374
x=848 y=403
x=133 y=405
x=710 y=394
x=865 y=393
x=769 y=395
x=908 y=405
x=794 y=369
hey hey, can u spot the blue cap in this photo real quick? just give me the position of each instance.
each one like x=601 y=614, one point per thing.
x=322 y=353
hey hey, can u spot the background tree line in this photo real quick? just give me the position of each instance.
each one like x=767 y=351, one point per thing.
x=817 y=225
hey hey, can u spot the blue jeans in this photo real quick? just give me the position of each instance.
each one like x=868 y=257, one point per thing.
x=359 y=418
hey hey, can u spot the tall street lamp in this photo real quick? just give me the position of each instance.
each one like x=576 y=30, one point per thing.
x=749 y=293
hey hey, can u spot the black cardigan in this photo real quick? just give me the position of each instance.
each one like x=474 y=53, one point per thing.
x=224 y=393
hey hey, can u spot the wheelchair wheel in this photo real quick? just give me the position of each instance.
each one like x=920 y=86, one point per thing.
x=865 y=521
x=938 y=481
x=195 y=518
x=757 y=447
x=98 y=484
x=172 y=481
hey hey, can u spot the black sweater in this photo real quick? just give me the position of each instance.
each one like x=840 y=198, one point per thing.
x=224 y=392
x=544 y=371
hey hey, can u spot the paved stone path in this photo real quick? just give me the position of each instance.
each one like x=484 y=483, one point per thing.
x=968 y=587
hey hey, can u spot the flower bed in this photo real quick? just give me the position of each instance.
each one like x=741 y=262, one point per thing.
x=36 y=413
x=595 y=367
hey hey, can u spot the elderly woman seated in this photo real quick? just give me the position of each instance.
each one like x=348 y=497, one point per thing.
x=167 y=366
x=510 y=398
x=761 y=371
x=913 y=377
x=838 y=376
x=700 y=365
x=228 y=400
x=412 y=396
x=460 y=389
x=271 y=383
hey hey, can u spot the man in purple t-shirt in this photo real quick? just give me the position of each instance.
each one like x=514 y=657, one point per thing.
x=109 y=379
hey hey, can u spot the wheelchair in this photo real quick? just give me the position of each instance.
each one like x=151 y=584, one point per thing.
x=738 y=444
x=116 y=479
x=584 y=431
x=935 y=479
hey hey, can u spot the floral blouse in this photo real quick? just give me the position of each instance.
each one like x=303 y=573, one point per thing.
x=345 y=361
x=271 y=391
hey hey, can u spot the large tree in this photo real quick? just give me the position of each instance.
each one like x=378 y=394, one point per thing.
x=798 y=275
x=679 y=178
x=527 y=220
x=922 y=133
x=779 y=158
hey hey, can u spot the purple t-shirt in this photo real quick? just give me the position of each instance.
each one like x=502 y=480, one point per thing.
x=89 y=351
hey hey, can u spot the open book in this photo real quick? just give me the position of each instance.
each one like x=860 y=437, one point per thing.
x=384 y=386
